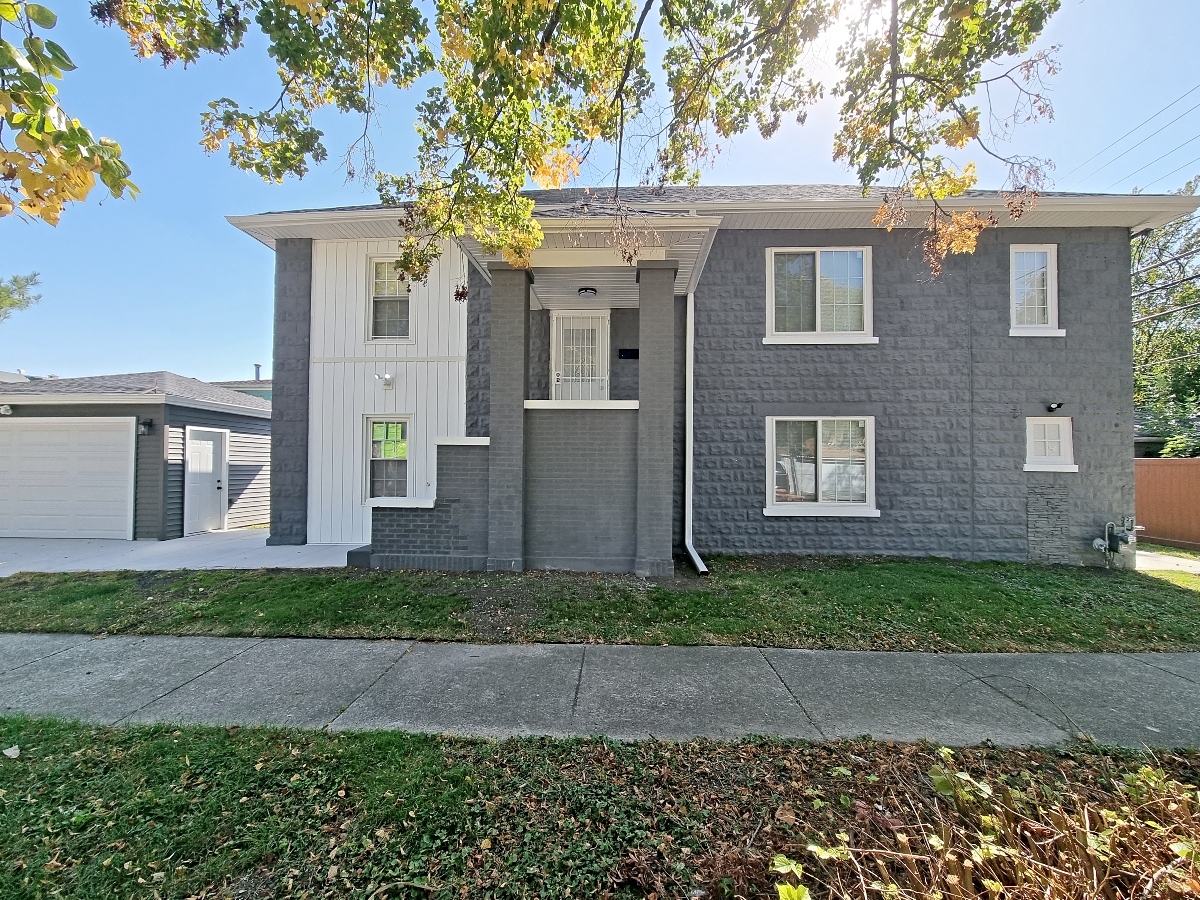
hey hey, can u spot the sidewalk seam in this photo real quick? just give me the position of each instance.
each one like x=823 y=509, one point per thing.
x=795 y=699
x=363 y=692
x=578 y=682
x=1159 y=668
x=984 y=680
x=90 y=637
x=134 y=712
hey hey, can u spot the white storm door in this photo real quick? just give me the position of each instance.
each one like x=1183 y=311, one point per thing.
x=204 y=481
x=67 y=477
x=579 y=355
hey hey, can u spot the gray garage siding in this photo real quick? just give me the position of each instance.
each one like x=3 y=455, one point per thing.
x=148 y=477
x=950 y=391
x=249 y=466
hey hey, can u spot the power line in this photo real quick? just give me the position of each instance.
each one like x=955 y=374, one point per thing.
x=1153 y=161
x=1132 y=130
x=1172 y=172
x=1133 y=147
x=1168 y=312
x=1165 y=287
x=1159 y=362
x=1166 y=262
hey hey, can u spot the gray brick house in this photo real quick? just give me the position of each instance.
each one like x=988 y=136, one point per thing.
x=772 y=374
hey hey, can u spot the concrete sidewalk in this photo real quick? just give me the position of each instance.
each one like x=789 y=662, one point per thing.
x=243 y=548
x=624 y=692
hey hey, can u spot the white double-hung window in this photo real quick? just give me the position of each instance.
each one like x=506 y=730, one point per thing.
x=819 y=295
x=821 y=466
x=387 y=475
x=1048 y=445
x=390 y=294
x=1033 y=290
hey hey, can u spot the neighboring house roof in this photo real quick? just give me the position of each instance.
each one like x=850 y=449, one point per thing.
x=263 y=384
x=12 y=377
x=152 y=387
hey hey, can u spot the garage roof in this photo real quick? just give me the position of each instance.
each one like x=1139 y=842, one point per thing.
x=137 y=387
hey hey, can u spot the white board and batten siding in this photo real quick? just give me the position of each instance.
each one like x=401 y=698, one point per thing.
x=429 y=372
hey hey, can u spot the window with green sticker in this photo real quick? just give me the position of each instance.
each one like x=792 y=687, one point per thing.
x=389 y=459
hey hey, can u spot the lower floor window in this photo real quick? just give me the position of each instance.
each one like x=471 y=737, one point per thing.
x=1048 y=444
x=820 y=466
x=389 y=459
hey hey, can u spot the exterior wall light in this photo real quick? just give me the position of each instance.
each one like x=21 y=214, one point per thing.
x=1054 y=407
x=5 y=410
x=144 y=426
x=389 y=381
x=587 y=292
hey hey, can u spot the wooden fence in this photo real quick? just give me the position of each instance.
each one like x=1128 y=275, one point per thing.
x=1168 y=500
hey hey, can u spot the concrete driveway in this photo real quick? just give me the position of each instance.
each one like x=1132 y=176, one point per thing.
x=245 y=548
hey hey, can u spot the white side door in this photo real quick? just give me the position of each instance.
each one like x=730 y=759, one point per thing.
x=67 y=477
x=205 y=480
x=579 y=355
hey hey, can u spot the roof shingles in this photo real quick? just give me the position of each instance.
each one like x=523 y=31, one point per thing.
x=165 y=383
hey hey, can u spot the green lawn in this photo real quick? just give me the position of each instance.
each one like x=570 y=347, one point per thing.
x=877 y=603
x=152 y=812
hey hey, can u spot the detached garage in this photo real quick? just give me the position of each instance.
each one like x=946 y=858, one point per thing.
x=148 y=456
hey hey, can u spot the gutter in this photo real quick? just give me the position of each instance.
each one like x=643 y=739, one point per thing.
x=689 y=372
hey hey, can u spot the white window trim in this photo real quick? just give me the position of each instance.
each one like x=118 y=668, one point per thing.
x=1042 y=463
x=365 y=461
x=370 y=289
x=1051 y=329
x=866 y=336
x=866 y=510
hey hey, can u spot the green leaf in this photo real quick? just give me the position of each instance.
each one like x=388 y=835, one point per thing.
x=59 y=56
x=11 y=57
x=40 y=16
x=792 y=892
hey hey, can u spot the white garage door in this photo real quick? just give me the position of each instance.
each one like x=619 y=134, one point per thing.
x=67 y=477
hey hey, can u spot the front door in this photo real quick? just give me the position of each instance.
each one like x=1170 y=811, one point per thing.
x=204 y=484
x=579 y=355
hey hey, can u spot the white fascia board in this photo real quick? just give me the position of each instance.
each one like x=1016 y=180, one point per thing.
x=114 y=399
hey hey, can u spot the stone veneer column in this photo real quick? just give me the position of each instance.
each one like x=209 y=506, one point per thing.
x=656 y=415
x=509 y=388
x=289 y=398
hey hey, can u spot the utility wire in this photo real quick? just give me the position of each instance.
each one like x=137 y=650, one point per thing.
x=1153 y=161
x=1159 y=362
x=1168 y=312
x=1166 y=262
x=1131 y=131
x=1133 y=147
x=1172 y=172
x=1164 y=287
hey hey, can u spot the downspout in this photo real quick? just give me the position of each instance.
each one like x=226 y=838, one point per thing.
x=689 y=374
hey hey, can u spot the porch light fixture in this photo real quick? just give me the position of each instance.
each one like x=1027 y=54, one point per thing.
x=587 y=292
x=5 y=410
x=389 y=382
x=1054 y=407
x=144 y=426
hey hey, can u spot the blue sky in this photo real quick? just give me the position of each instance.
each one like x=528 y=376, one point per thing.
x=165 y=283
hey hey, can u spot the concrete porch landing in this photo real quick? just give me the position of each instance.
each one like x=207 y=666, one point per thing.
x=624 y=692
x=243 y=548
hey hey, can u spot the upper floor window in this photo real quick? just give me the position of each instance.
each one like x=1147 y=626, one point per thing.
x=1033 y=273
x=1048 y=444
x=389 y=302
x=821 y=467
x=819 y=296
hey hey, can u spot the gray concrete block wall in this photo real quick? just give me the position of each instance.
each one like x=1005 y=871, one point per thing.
x=453 y=535
x=581 y=489
x=289 y=401
x=949 y=388
x=479 y=350
x=622 y=373
x=657 y=375
x=539 y=354
x=509 y=388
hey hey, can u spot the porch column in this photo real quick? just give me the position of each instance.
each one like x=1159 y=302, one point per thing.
x=509 y=389
x=656 y=415
x=289 y=406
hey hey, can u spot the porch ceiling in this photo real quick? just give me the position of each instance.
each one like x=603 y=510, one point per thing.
x=581 y=253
